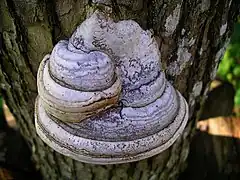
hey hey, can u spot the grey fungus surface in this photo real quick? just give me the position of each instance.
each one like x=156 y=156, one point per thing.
x=103 y=97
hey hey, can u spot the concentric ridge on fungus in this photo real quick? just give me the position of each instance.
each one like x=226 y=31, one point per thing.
x=103 y=97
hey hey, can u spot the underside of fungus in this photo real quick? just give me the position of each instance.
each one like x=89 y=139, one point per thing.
x=103 y=96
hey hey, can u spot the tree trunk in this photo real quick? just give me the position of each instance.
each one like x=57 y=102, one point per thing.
x=192 y=37
x=215 y=147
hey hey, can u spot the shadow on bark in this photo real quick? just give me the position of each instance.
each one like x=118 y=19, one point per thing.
x=215 y=147
x=213 y=157
x=15 y=154
x=220 y=100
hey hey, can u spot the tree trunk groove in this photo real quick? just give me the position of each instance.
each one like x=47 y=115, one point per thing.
x=192 y=37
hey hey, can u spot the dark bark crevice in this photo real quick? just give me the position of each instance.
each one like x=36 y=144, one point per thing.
x=116 y=9
x=54 y=21
x=21 y=32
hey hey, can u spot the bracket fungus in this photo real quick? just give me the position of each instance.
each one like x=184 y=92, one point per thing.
x=103 y=97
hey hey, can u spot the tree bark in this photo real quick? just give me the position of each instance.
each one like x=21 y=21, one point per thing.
x=215 y=147
x=192 y=37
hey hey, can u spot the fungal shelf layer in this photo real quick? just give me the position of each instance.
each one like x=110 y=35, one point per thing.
x=103 y=97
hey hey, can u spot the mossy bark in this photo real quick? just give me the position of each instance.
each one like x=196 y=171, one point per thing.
x=192 y=36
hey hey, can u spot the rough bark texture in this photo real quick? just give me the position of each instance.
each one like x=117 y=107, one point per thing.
x=192 y=36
